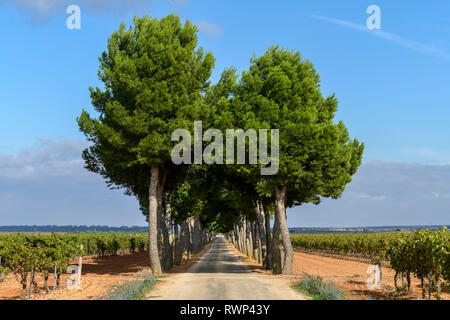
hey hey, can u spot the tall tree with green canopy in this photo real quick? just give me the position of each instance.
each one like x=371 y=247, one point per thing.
x=154 y=76
x=317 y=157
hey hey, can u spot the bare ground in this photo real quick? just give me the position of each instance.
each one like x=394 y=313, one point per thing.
x=349 y=276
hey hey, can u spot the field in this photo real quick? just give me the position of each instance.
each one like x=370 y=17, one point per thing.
x=98 y=276
x=112 y=258
x=42 y=260
x=349 y=274
x=422 y=255
x=100 y=272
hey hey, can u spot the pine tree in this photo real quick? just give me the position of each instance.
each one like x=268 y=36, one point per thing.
x=153 y=76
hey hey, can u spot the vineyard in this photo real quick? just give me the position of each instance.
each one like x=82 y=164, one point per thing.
x=26 y=255
x=424 y=254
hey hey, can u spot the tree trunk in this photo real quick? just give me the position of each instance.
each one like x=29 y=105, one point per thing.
x=269 y=264
x=422 y=283
x=190 y=228
x=46 y=281
x=408 y=281
x=183 y=242
x=241 y=236
x=280 y=211
x=246 y=237
x=33 y=281
x=169 y=227
x=276 y=254
x=256 y=242
x=438 y=284
x=23 y=294
x=58 y=280
x=395 y=279
x=155 y=262
x=236 y=236
x=261 y=230
x=196 y=235
x=176 y=245
x=163 y=240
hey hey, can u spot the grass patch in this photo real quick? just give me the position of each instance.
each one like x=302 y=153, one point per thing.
x=133 y=290
x=314 y=287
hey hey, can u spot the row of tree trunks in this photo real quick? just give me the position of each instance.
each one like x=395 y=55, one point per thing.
x=255 y=239
x=169 y=243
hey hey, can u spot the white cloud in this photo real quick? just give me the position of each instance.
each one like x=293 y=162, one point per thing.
x=368 y=196
x=49 y=158
x=47 y=184
x=410 y=44
x=42 y=11
x=209 y=29
x=384 y=193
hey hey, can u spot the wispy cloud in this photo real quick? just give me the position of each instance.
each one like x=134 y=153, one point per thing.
x=49 y=158
x=410 y=44
x=368 y=196
x=47 y=184
x=40 y=12
x=384 y=193
x=209 y=29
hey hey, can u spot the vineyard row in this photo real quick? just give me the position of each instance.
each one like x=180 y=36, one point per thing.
x=426 y=254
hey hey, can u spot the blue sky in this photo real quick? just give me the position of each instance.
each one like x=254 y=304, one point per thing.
x=392 y=85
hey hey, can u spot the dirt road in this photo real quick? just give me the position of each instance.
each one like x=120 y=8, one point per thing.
x=221 y=275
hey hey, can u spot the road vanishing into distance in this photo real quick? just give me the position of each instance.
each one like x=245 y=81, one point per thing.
x=221 y=275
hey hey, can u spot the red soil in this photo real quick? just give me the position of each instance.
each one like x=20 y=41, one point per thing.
x=349 y=276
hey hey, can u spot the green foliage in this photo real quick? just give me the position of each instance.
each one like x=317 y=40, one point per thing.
x=153 y=76
x=430 y=250
x=370 y=246
x=400 y=254
x=317 y=289
x=281 y=91
x=446 y=269
x=4 y=270
x=20 y=254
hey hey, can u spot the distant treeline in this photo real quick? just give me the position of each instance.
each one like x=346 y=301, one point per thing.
x=70 y=228
x=296 y=230
x=378 y=229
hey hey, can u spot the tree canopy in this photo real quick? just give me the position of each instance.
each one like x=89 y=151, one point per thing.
x=156 y=80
